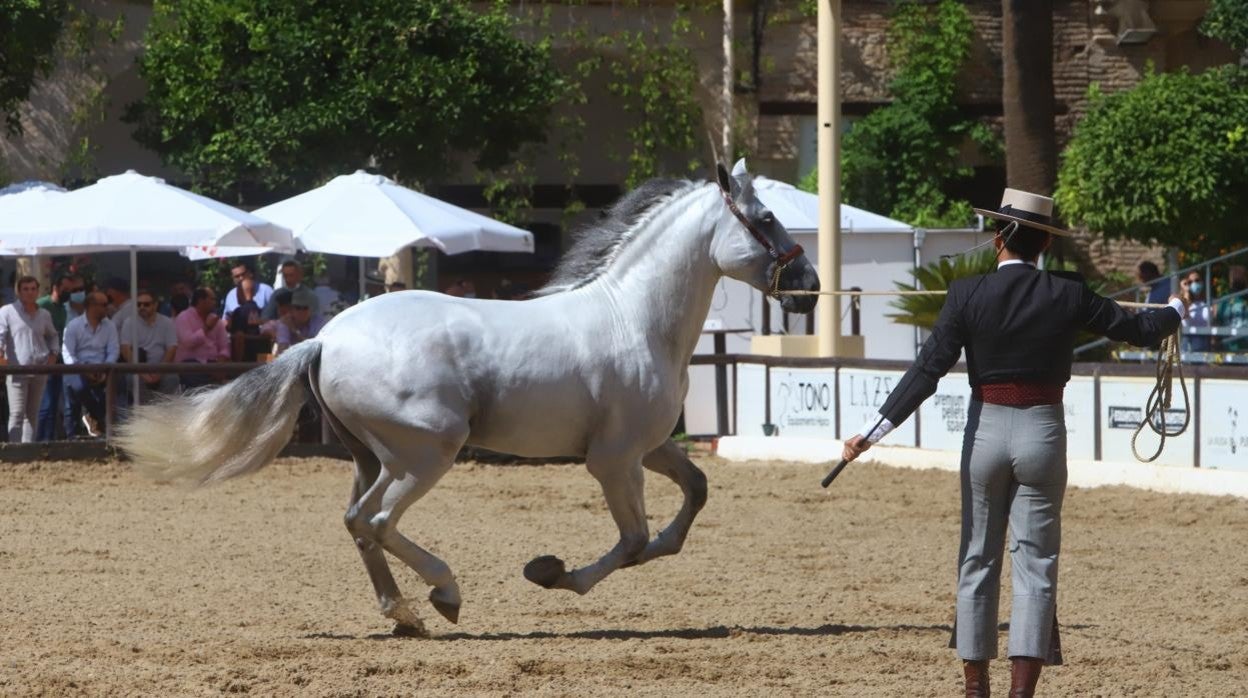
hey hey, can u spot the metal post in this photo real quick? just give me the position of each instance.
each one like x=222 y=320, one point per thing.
x=855 y=313
x=729 y=83
x=109 y=386
x=721 y=387
x=829 y=166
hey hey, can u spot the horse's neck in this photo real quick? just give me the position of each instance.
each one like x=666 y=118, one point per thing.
x=662 y=285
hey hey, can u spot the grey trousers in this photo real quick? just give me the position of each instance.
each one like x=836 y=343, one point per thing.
x=1013 y=471
x=25 y=395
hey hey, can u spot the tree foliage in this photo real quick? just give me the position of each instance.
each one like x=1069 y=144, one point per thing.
x=1227 y=20
x=1164 y=162
x=288 y=93
x=29 y=30
x=901 y=159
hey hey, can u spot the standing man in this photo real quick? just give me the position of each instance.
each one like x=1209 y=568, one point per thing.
x=57 y=305
x=1018 y=327
x=201 y=336
x=157 y=341
x=260 y=294
x=27 y=337
x=292 y=280
x=90 y=338
x=1158 y=286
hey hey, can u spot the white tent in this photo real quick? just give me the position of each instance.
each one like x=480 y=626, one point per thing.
x=798 y=211
x=368 y=215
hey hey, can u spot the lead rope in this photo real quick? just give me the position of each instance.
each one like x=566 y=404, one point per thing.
x=1168 y=363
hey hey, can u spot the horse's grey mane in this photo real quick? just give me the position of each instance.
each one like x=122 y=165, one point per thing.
x=597 y=243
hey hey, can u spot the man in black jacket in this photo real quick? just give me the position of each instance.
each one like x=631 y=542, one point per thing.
x=1018 y=328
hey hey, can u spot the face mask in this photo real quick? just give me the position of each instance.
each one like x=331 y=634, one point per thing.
x=78 y=297
x=1197 y=287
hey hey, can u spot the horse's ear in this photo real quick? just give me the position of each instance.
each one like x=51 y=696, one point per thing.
x=725 y=183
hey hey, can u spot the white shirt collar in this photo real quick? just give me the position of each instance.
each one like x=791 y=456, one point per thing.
x=1015 y=261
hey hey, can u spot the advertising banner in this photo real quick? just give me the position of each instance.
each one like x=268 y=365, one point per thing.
x=1122 y=410
x=862 y=393
x=1223 y=424
x=803 y=402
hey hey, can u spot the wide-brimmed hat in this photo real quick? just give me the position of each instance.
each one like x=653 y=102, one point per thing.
x=1027 y=209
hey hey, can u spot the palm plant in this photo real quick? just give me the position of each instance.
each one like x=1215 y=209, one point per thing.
x=922 y=310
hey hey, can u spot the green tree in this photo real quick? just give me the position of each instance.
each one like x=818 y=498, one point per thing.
x=29 y=30
x=1227 y=20
x=286 y=93
x=901 y=159
x=1163 y=162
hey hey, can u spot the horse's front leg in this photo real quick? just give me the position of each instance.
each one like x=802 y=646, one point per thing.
x=623 y=487
x=670 y=460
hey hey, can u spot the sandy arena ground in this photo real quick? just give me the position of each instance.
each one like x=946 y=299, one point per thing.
x=116 y=586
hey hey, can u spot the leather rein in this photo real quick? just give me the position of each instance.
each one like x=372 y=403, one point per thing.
x=781 y=261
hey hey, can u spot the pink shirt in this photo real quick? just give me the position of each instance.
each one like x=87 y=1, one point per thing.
x=197 y=344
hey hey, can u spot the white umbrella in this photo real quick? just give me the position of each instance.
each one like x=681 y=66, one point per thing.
x=368 y=215
x=131 y=212
x=798 y=211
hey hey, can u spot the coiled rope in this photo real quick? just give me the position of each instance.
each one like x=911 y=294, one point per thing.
x=1159 y=400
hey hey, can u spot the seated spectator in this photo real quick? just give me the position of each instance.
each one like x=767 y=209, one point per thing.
x=120 y=305
x=201 y=336
x=1192 y=290
x=157 y=341
x=90 y=338
x=244 y=323
x=292 y=280
x=1233 y=311
x=1158 y=286
x=27 y=336
x=300 y=323
x=326 y=296
x=52 y=408
x=260 y=292
x=179 y=299
x=281 y=303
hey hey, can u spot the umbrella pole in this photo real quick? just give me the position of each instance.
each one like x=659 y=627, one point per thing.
x=134 y=331
x=362 y=284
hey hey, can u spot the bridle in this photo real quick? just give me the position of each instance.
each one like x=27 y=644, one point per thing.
x=780 y=261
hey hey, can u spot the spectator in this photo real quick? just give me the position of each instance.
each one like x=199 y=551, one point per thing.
x=57 y=305
x=292 y=280
x=90 y=338
x=121 y=306
x=1233 y=311
x=327 y=297
x=396 y=287
x=301 y=323
x=179 y=299
x=201 y=336
x=1158 y=286
x=157 y=341
x=27 y=337
x=1192 y=290
x=245 y=339
x=281 y=299
x=261 y=292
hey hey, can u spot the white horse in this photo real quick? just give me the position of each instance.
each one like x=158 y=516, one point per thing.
x=594 y=366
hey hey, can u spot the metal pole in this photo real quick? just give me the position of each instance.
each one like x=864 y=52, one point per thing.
x=829 y=166
x=362 y=288
x=134 y=332
x=729 y=80
x=721 y=387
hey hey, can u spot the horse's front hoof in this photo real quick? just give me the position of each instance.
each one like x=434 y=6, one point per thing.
x=545 y=571
x=444 y=604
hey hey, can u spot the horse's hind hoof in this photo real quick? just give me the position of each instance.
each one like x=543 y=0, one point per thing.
x=407 y=630
x=545 y=571
x=448 y=608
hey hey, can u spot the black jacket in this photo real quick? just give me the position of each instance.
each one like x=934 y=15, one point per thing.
x=1018 y=325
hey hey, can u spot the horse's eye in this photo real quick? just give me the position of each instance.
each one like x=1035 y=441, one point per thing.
x=768 y=219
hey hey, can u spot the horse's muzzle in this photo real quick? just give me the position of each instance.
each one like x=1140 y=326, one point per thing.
x=799 y=276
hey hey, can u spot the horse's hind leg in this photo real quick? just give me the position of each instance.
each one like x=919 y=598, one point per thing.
x=367 y=470
x=670 y=460
x=623 y=487
x=398 y=486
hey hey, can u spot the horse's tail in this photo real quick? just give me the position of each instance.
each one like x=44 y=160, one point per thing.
x=223 y=432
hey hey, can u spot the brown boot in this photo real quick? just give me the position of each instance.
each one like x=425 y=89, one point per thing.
x=976 y=678
x=1024 y=673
